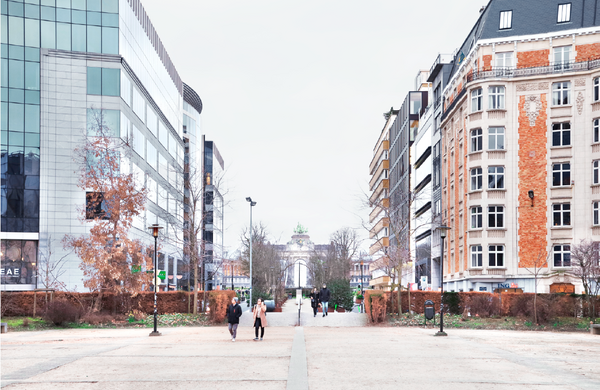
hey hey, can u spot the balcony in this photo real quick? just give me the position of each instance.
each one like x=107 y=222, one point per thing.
x=553 y=68
x=383 y=242
x=385 y=164
x=512 y=72
x=383 y=223
x=385 y=183
x=383 y=146
x=379 y=207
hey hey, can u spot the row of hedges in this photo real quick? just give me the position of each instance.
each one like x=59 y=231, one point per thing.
x=21 y=303
x=483 y=304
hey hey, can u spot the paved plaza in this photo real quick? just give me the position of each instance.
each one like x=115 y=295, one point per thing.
x=305 y=357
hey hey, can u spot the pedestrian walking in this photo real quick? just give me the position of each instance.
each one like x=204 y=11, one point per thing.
x=234 y=312
x=314 y=300
x=260 y=318
x=324 y=296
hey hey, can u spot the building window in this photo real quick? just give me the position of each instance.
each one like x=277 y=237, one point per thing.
x=596 y=91
x=476 y=179
x=504 y=60
x=496 y=255
x=562 y=255
x=496 y=216
x=476 y=140
x=496 y=97
x=561 y=93
x=595 y=209
x=561 y=174
x=495 y=178
x=476 y=217
x=505 y=20
x=476 y=256
x=561 y=134
x=496 y=138
x=596 y=127
x=561 y=214
x=103 y=81
x=596 y=172
x=562 y=57
x=477 y=100
x=564 y=13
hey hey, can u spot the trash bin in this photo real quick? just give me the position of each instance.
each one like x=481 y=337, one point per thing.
x=429 y=311
x=270 y=305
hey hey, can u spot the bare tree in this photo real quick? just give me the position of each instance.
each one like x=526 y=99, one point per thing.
x=586 y=266
x=540 y=263
x=267 y=262
x=344 y=243
x=50 y=268
x=394 y=236
x=188 y=232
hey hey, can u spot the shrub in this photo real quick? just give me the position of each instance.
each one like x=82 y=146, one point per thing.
x=485 y=305
x=218 y=301
x=262 y=295
x=377 y=307
x=60 y=312
x=341 y=293
x=452 y=303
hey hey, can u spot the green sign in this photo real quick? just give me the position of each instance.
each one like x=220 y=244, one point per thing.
x=135 y=269
x=162 y=275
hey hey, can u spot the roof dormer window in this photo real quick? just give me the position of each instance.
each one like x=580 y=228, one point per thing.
x=505 y=20
x=564 y=13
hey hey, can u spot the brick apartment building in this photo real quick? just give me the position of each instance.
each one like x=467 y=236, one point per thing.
x=520 y=134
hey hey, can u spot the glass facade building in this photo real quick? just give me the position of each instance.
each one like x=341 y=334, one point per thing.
x=63 y=63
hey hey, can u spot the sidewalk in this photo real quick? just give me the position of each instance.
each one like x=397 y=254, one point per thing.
x=316 y=358
x=289 y=317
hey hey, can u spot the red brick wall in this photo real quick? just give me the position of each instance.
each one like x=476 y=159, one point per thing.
x=528 y=59
x=587 y=52
x=532 y=176
x=487 y=62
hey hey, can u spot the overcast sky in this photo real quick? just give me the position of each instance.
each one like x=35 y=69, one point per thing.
x=294 y=94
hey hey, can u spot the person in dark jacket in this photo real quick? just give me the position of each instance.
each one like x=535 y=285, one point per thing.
x=324 y=296
x=234 y=312
x=314 y=300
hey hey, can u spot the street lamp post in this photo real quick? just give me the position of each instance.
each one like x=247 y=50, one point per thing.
x=155 y=228
x=252 y=204
x=443 y=229
x=361 y=277
x=232 y=289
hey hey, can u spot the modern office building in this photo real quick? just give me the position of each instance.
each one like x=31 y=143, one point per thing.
x=421 y=179
x=213 y=211
x=62 y=62
x=438 y=77
x=402 y=135
x=521 y=146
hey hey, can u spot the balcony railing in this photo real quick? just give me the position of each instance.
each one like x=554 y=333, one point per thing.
x=511 y=72
x=552 y=68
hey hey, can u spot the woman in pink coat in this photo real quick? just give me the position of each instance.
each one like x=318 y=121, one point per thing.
x=260 y=318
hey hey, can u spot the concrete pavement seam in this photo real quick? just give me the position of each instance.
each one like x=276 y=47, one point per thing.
x=298 y=371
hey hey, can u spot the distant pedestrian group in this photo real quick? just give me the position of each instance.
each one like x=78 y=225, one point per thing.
x=320 y=299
